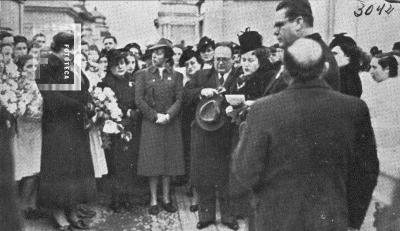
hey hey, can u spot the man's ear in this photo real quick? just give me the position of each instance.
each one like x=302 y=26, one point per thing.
x=299 y=23
x=325 y=69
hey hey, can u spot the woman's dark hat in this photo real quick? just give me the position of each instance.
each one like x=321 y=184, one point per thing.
x=209 y=114
x=162 y=43
x=342 y=40
x=204 y=43
x=249 y=40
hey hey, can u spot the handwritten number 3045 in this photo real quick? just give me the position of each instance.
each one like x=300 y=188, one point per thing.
x=360 y=11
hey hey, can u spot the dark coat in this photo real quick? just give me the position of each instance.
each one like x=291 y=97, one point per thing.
x=9 y=216
x=350 y=81
x=210 y=151
x=332 y=77
x=161 y=148
x=67 y=175
x=125 y=154
x=255 y=84
x=311 y=163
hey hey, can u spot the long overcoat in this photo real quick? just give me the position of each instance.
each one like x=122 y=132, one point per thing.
x=67 y=174
x=9 y=216
x=125 y=154
x=309 y=155
x=210 y=151
x=161 y=148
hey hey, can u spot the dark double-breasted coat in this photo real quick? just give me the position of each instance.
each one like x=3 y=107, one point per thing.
x=161 y=148
x=210 y=151
x=332 y=76
x=308 y=153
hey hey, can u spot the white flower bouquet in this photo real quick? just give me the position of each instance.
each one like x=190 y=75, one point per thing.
x=20 y=96
x=108 y=115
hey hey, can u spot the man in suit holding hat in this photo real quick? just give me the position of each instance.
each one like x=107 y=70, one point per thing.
x=211 y=137
x=294 y=20
x=308 y=153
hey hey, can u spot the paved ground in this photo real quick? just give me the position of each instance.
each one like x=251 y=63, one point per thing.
x=139 y=220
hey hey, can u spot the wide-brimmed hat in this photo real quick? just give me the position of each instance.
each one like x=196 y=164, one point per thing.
x=209 y=113
x=249 y=40
x=163 y=42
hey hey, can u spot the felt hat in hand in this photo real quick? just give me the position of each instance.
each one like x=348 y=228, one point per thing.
x=209 y=113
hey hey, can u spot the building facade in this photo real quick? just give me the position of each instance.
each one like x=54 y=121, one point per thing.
x=29 y=17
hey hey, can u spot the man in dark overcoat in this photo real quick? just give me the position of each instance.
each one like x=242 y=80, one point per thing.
x=293 y=20
x=308 y=153
x=211 y=149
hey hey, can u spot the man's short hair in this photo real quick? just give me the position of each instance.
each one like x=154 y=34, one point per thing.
x=110 y=37
x=38 y=35
x=20 y=39
x=304 y=60
x=296 y=8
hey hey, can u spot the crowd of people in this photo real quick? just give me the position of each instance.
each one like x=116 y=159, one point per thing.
x=276 y=133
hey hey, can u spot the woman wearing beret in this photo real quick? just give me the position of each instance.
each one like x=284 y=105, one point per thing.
x=67 y=176
x=127 y=188
x=159 y=97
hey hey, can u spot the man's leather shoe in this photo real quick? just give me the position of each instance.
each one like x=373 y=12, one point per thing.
x=204 y=224
x=232 y=225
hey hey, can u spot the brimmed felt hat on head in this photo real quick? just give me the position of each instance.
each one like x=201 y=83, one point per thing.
x=162 y=43
x=209 y=113
x=249 y=40
x=204 y=43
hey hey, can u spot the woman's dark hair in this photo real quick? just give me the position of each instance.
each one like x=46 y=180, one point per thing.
x=102 y=55
x=136 y=61
x=87 y=59
x=133 y=45
x=110 y=37
x=349 y=48
x=61 y=41
x=114 y=56
x=374 y=51
x=388 y=60
x=33 y=45
x=20 y=39
x=188 y=54
x=22 y=61
x=94 y=48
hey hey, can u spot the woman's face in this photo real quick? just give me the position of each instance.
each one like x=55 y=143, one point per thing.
x=341 y=59
x=84 y=62
x=35 y=52
x=93 y=56
x=135 y=52
x=1 y=64
x=276 y=56
x=30 y=66
x=20 y=49
x=119 y=69
x=103 y=63
x=7 y=52
x=158 y=57
x=177 y=55
x=192 y=66
x=249 y=63
x=208 y=54
x=131 y=65
x=378 y=73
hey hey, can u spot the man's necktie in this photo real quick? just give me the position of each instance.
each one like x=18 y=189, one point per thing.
x=221 y=79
